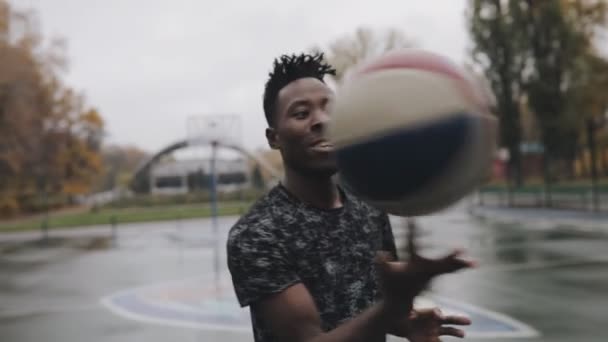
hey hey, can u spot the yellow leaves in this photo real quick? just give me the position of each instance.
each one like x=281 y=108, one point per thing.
x=92 y=118
x=81 y=159
x=49 y=138
x=76 y=187
x=8 y=206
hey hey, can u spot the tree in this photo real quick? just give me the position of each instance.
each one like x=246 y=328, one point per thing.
x=348 y=51
x=49 y=138
x=119 y=163
x=501 y=51
x=561 y=43
x=541 y=51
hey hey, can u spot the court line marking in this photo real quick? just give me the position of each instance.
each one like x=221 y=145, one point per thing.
x=164 y=321
x=106 y=301
x=522 y=330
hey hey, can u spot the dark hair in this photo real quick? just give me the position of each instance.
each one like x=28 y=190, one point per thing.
x=287 y=69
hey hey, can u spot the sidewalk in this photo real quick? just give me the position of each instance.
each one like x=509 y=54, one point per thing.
x=543 y=217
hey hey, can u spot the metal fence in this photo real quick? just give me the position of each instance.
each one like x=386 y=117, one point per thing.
x=583 y=198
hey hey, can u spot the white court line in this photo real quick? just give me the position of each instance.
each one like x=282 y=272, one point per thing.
x=163 y=321
x=107 y=302
x=521 y=330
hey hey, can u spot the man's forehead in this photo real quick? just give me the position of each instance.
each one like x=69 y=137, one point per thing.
x=302 y=89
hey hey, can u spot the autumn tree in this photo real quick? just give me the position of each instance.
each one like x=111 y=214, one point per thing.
x=349 y=50
x=49 y=138
x=119 y=164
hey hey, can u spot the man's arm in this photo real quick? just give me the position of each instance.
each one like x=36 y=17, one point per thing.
x=293 y=316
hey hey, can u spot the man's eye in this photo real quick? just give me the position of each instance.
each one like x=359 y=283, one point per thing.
x=300 y=114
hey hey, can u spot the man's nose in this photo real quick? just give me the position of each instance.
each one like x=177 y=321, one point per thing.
x=320 y=120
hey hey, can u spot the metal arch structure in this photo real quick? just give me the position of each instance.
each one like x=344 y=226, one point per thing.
x=141 y=178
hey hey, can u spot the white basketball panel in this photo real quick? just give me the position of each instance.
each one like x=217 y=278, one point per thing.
x=384 y=101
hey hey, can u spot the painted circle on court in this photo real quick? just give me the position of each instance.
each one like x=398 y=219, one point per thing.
x=197 y=303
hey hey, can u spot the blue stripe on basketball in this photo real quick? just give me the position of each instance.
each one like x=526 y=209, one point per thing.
x=393 y=165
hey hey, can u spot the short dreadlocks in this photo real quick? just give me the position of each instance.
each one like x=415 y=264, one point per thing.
x=287 y=69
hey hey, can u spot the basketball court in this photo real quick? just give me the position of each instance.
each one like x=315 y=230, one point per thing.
x=157 y=282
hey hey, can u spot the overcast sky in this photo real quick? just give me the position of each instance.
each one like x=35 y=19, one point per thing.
x=148 y=65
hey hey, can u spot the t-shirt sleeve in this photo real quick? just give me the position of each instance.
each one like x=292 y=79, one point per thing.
x=388 y=239
x=259 y=265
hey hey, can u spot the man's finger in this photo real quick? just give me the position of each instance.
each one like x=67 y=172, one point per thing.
x=457 y=320
x=464 y=263
x=455 y=254
x=449 y=264
x=439 y=267
x=450 y=331
x=455 y=257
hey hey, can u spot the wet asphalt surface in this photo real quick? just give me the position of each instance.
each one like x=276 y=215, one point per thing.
x=548 y=281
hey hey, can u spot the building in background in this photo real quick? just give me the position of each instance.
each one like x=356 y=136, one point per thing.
x=185 y=176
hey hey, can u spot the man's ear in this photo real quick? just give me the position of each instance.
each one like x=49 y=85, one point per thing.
x=271 y=137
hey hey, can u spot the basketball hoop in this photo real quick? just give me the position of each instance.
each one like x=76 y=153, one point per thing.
x=218 y=129
x=215 y=131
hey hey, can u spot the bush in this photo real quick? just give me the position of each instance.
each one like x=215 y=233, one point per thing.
x=38 y=203
x=31 y=204
x=8 y=207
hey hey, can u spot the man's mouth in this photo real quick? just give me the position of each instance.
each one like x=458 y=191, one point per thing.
x=323 y=146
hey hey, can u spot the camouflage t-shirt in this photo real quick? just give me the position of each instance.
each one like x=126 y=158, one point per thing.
x=282 y=241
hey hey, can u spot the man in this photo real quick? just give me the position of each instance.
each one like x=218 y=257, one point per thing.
x=305 y=257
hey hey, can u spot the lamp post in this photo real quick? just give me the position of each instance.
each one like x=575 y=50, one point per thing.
x=593 y=124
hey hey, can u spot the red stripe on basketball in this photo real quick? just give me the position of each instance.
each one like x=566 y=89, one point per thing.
x=425 y=61
x=412 y=59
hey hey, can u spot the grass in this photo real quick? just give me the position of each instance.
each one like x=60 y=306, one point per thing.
x=158 y=212
x=128 y=215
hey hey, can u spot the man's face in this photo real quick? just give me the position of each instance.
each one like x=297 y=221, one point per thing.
x=301 y=117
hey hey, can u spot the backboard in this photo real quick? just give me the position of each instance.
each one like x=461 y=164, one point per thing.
x=224 y=129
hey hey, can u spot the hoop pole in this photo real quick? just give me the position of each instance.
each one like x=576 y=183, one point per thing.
x=214 y=214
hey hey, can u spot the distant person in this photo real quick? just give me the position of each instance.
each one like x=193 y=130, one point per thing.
x=312 y=261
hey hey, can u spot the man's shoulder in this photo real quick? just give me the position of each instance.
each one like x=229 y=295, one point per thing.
x=362 y=206
x=261 y=218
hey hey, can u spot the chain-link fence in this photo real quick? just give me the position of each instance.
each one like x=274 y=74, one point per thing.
x=570 y=197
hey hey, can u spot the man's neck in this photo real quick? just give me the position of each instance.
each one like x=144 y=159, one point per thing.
x=318 y=191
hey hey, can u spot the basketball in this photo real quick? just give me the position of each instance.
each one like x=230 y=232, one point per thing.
x=413 y=132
